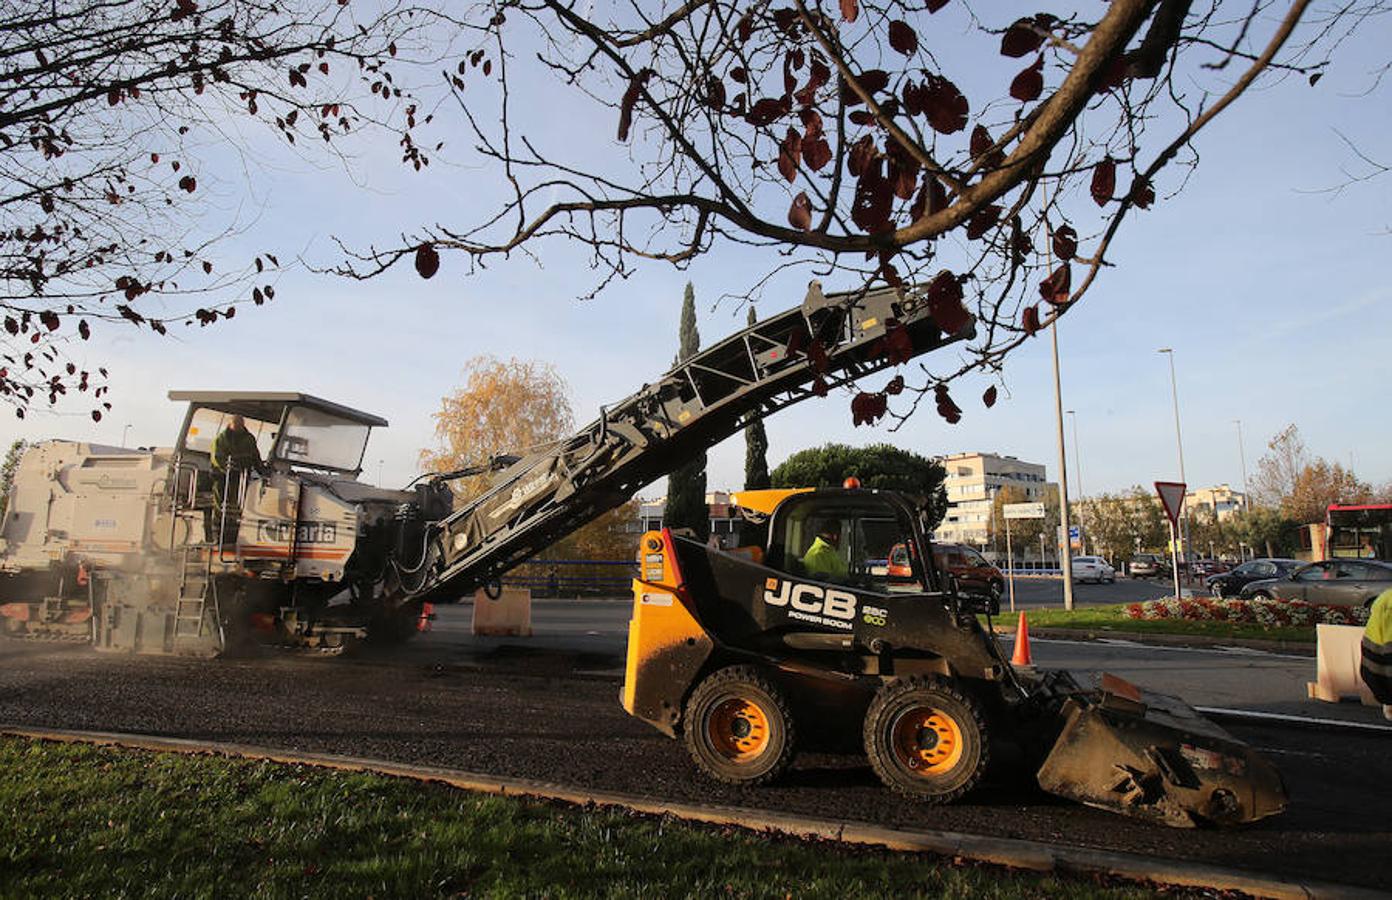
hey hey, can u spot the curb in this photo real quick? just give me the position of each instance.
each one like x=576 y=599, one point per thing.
x=1011 y=852
x=1300 y=648
x=1258 y=717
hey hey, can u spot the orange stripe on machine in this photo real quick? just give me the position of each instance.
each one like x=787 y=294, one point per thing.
x=271 y=551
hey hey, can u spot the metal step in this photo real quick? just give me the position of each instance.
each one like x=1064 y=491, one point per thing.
x=181 y=615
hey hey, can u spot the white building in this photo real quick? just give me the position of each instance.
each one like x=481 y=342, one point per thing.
x=973 y=479
x=723 y=521
x=1222 y=501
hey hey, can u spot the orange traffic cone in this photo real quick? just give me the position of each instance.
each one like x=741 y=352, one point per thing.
x=1022 y=651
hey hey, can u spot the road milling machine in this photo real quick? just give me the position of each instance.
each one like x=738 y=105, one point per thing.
x=136 y=550
x=153 y=551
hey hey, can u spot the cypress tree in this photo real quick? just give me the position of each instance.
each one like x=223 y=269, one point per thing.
x=686 y=486
x=756 y=470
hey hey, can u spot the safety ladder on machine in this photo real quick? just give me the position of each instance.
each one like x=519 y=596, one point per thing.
x=197 y=588
x=197 y=591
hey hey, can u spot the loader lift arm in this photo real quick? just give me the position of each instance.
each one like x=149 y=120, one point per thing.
x=830 y=340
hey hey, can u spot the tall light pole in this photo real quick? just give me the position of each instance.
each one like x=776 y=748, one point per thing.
x=379 y=472
x=1066 y=551
x=1078 y=470
x=1179 y=442
x=124 y=431
x=1242 y=457
x=1077 y=454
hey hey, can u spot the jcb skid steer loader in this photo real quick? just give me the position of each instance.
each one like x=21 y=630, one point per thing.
x=739 y=652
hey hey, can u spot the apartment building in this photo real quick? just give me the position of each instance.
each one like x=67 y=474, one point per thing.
x=724 y=521
x=973 y=479
x=1222 y=501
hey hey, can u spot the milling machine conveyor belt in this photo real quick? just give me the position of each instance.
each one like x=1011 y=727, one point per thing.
x=701 y=401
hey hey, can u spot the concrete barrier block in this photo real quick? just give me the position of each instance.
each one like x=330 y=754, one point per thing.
x=1338 y=655
x=508 y=616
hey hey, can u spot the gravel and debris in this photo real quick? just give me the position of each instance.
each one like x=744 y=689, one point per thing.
x=533 y=715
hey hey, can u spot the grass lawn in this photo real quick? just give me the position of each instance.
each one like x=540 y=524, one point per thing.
x=1114 y=618
x=92 y=821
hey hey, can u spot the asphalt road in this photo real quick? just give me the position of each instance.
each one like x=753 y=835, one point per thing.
x=1035 y=592
x=546 y=708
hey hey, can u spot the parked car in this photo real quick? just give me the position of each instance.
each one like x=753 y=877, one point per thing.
x=1146 y=565
x=1202 y=568
x=1231 y=583
x=973 y=573
x=1343 y=582
x=1093 y=568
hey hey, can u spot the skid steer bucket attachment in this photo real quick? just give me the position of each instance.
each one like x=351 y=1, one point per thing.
x=1152 y=756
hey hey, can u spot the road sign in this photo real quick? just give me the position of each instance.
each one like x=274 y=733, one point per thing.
x=1074 y=533
x=1172 y=497
x=1023 y=510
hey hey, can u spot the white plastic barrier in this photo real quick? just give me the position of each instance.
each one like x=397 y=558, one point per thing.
x=1338 y=655
x=508 y=616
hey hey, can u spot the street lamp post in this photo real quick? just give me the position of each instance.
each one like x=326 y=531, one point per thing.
x=1066 y=550
x=1242 y=458
x=124 y=431
x=1179 y=443
x=1078 y=468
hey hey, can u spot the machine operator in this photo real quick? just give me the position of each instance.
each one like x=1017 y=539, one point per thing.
x=235 y=448
x=823 y=559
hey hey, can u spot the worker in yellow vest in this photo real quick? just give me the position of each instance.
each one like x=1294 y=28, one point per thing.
x=1377 y=652
x=823 y=559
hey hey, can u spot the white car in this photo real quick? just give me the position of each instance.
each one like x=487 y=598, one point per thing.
x=1093 y=568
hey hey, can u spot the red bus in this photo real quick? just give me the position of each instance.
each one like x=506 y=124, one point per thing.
x=1362 y=531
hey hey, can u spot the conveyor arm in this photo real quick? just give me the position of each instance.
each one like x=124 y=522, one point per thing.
x=826 y=342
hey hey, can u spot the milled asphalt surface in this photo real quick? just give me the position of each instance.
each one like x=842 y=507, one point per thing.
x=547 y=709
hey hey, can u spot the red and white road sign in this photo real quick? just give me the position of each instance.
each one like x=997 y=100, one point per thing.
x=1172 y=497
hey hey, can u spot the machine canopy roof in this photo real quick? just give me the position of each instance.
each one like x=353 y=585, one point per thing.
x=269 y=406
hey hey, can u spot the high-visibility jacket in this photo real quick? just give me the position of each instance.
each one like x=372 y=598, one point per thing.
x=1377 y=648
x=235 y=450
x=824 y=560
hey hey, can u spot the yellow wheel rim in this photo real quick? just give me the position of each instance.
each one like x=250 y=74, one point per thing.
x=738 y=729
x=927 y=741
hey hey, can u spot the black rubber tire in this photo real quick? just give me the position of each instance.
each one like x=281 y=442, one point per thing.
x=740 y=684
x=1262 y=595
x=900 y=698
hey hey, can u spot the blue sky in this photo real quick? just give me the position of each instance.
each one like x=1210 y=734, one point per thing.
x=1274 y=296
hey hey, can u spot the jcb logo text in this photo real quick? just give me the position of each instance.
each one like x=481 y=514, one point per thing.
x=810 y=598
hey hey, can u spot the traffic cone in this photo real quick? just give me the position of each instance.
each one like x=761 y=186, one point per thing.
x=1022 y=650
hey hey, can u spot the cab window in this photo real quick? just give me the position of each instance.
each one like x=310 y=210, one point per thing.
x=861 y=535
x=320 y=440
x=206 y=424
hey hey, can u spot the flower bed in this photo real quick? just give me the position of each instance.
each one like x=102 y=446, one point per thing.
x=1266 y=613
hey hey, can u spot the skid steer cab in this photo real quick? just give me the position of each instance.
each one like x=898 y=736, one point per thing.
x=810 y=639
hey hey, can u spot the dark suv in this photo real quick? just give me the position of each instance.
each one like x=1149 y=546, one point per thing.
x=1146 y=565
x=1230 y=584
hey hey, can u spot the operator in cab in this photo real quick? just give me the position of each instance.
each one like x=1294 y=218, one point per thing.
x=235 y=448
x=823 y=559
